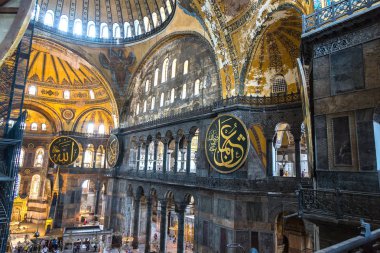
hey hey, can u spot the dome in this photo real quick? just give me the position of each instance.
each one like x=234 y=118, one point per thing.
x=111 y=21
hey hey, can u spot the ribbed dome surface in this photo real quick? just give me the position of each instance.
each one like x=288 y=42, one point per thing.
x=105 y=20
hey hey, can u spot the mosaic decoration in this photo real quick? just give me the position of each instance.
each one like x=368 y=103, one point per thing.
x=227 y=144
x=112 y=150
x=63 y=150
x=68 y=114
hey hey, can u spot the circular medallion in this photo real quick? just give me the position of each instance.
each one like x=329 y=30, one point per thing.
x=30 y=145
x=113 y=150
x=68 y=114
x=227 y=143
x=63 y=150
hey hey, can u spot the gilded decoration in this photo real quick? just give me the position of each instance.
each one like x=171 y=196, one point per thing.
x=63 y=150
x=113 y=150
x=226 y=144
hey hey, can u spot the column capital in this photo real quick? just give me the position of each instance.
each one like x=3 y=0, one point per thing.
x=180 y=207
x=189 y=136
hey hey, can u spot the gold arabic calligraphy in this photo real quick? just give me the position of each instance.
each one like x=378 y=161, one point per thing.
x=63 y=151
x=112 y=150
x=226 y=144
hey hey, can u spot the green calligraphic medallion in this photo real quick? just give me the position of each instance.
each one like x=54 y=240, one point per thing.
x=113 y=150
x=227 y=143
x=63 y=150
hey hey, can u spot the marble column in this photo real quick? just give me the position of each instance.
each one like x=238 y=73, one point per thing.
x=176 y=151
x=269 y=158
x=155 y=156
x=181 y=228
x=163 y=226
x=138 y=156
x=298 y=157
x=136 y=221
x=97 y=198
x=146 y=157
x=188 y=154
x=165 y=156
x=148 y=230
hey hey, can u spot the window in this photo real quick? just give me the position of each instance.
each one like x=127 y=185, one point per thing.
x=90 y=128
x=279 y=85
x=32 y=90
x=144 y=106
x=185 y=67
x=162 y=12
x=137 y=109
x=162 y=99
x=35 y=187
x=165 y=67
x=88 y=157
x=146 y=24
x=104 y=31
x=91 y=29
x=283 y=150
x=169 y=6
x=155 y=19
x=36 y=13
x=172 y=95
x=101 y=129
x=137 y=27
x=156 y=77
x=63 y=23
x=66 y=94
x=153 y=103
x=43 y=127
x=17 y=185
x=21 y=159
x=116 y=31
x=34 y=126
x=184 y=91
x=39 y=158
x=77 y=29
x=196 y=87
x=49 y=18
x=147 y=86
x=127 y=30
x=92 y=94
x=174 y=66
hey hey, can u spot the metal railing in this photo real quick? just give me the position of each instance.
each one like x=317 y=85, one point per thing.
x=339 y=204
x=333 y=12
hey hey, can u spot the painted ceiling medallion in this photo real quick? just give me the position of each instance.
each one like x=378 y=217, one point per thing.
x=68 y=114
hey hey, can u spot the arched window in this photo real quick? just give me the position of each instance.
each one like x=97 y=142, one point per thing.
x=137 y=109
x=160 y=156
x=17 y=185
x=146 y=24
x=91 y=29
x=169 y=6
x=21 y=159
x=127 y=30
x=186 y=67
x=147 y=83
x=104 y=31
x=194 y=152
x=172 y=95
x=174 y=67
x=162 y=99
x=155 y=19
x=34 y=126
x=162 y=12
x=36 y=13
x=153 y=103
x=66 y=94
x=137 y=27
x=144 y=106
x=283 y=152
x=116 y=31
x=165 y=69
x=63 y=23
x=39 y=158
x=49 y=18
x=196 y=87
x=43 y=127
x=77 y=30
x=150 y=156
x=102 y=129
x=142 y=158
x=90 y=128
x=88 y=156
x=184 y=91
x=92 y=94
x=35 y=187
x=100 y=155
x=156 y=77
x=32 y=90
x=279 y=85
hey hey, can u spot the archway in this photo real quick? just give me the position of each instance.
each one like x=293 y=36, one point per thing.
x=284 y=152
x=88 y=202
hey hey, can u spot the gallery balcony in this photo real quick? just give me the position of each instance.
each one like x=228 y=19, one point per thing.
x=336 y=12
x=338 y=205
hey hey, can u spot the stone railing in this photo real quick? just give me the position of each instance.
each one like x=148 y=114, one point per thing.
x=333 y=12
x=223 y=103
x=339 y=204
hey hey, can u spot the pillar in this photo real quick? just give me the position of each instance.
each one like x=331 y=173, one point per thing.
x=146 y=157
x=138 y=156
x=155 y=156
x=298 y=157
x=176 y=150
x=148 y=224
x=97 y=198
x=188 y=154
x=136 y=221
x=269 y=158
x=181 y=228
x=163 y=226
x=165 y=157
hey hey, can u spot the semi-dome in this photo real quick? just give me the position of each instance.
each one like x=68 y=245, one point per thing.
x=111 y=21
